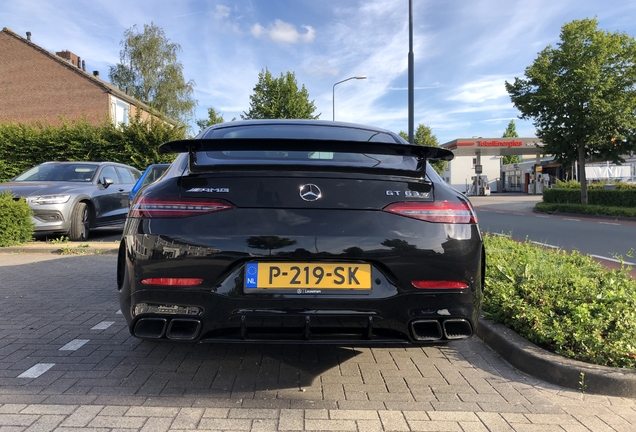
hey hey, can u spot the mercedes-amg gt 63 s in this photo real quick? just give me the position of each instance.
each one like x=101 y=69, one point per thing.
x=298 y=231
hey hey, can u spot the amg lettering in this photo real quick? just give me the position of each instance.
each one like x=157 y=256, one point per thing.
x=209 y=190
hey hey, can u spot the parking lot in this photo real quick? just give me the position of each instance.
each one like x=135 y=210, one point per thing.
x=67 y=362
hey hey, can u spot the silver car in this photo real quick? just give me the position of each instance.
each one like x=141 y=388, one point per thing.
x=71 y=197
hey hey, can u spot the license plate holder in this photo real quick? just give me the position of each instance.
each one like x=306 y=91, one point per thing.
x=307 y=277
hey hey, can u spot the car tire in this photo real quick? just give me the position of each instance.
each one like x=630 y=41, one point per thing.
x=80 y=223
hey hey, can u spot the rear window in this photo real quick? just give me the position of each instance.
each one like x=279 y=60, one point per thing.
x=59 y=172
x=301 y=131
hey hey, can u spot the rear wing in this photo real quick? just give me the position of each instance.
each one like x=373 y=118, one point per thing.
x=192 y=146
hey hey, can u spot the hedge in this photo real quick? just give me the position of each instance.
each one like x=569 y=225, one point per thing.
x=624 y=194
x=594 y=210
x=23 y=146
x=16 y=226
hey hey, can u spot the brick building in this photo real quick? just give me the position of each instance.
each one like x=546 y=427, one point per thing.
x=36 y=85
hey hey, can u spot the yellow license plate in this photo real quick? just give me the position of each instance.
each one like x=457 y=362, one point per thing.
x=307 y=276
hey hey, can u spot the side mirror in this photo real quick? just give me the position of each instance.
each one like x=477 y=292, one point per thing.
x=105 y=181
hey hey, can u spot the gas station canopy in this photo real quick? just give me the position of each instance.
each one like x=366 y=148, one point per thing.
x=494 y=146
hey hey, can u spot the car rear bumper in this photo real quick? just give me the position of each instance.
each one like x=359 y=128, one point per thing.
x=414 y=318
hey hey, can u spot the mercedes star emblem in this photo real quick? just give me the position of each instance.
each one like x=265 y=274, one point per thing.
x=310 y=192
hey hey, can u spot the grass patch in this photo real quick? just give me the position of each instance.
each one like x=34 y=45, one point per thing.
x=562 y=301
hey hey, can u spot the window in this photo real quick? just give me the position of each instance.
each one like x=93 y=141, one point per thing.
x=109 y=172
x=119 y=111
x=126 y=176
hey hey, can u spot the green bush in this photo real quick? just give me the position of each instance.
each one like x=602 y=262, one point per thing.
x=595 y=210
x=23 y=146
x=564 y=302
x=624 y=194
x=15 y=221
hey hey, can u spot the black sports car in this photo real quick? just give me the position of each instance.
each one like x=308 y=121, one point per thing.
x=301 y=231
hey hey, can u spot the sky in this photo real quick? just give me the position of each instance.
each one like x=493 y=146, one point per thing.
x=464 y=51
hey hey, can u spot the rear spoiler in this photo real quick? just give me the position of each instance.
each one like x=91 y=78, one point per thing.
x=192 y=146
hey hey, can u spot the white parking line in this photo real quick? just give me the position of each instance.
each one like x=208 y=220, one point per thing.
x=501 y=234
x=118 y=312
x=545 y=244
x=573 y=220
x=545 y=217
x=609 y=223
x=74 y=345
x=36 y=370
x=613 y=260
x=103 y=325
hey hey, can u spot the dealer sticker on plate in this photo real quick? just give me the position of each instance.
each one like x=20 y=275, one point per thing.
x=307 y=276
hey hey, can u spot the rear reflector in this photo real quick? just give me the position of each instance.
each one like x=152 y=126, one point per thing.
x=176 y=207
x=437 y=211
x=172 y=281
x=439 y=284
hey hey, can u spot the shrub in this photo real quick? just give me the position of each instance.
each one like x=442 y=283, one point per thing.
x=15 y=221
x=624 y=194
x=595 y=210
x=564 y=302
x=23 y=146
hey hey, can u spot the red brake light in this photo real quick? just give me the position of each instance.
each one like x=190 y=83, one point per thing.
x=145 y=207
x=439 y=284
x=172 y=281
x=436 y=211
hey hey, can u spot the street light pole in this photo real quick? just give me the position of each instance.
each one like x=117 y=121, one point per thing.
x=333 y=93
x=411 y=66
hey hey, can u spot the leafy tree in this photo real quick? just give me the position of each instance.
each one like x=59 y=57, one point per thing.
x=582 y=95
x=213 y=118
x=269 y=243
x=511 y=132
x=424 y=137
x=279 y=98
x=149 y=71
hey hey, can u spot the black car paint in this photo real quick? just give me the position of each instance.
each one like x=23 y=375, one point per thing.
x=347 y=225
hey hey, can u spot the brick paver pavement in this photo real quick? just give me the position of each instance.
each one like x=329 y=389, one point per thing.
x=67 y=363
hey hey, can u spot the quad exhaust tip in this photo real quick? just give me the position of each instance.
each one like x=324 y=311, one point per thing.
x=175 y=329
x=426 y=330
x=457 y=329
x=150 y=328
x=433 y=330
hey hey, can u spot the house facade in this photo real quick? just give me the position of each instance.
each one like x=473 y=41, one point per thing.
x=37 y=85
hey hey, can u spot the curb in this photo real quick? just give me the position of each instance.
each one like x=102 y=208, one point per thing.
x=70 y=248
x=553 y=368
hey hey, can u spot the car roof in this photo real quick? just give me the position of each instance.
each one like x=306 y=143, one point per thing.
x=87 y=163
x=261 y=122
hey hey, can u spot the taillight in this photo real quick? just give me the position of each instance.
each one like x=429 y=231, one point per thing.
x=435 y=211
x=145 y=207
x=439 y=284
x=172 y=281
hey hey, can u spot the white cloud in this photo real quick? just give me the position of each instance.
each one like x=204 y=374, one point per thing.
x=221 y=12
x=481 y=90
x=283 y=32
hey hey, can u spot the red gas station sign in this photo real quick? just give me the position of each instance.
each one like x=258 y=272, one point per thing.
x=496 y=143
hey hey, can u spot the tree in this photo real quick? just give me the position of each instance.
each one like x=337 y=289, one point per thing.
x=424 y=137
x=582 y=96
x=279 y=98
x=213 y=118
x=150 y=72
x=511 y=132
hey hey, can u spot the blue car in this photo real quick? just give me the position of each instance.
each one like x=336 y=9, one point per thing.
x=150 y=175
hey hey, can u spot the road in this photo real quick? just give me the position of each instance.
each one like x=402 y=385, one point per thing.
x=512 y=215
x=68 y=363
